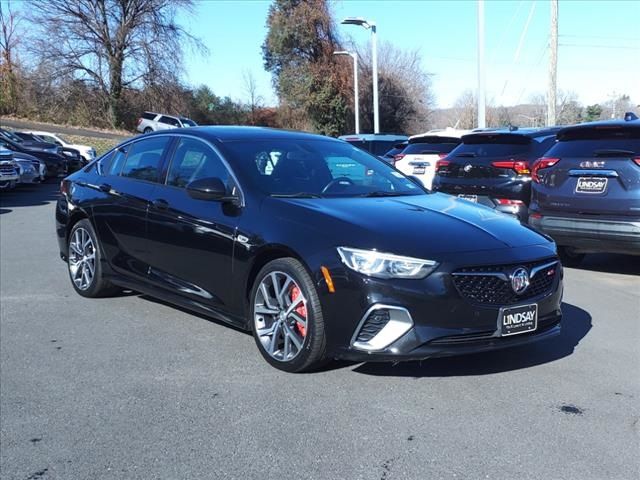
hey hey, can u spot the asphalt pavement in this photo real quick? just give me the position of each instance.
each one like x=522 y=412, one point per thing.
x=131 y=388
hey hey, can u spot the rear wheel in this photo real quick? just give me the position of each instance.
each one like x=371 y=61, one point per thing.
x=286 y=317
x=148 y=130
x=569 y=257
x=85 y=268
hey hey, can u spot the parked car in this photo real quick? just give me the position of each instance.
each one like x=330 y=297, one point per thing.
x=390 y=156
x=375 y=143
x=87 y=152
x=39 y=165
x=493 y=168
x=319 y=248
x=586 y=190
x=152 y=122
x=9 y=175
x=422 y=153
x=74 y=159
x=57 y=165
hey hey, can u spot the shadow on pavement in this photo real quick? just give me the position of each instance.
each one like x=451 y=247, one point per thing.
x=576 y=323
x=29 y=195
x=610 y=263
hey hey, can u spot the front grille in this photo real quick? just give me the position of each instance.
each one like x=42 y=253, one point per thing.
x=490 y=285
x=7 y=169
x=372 y=325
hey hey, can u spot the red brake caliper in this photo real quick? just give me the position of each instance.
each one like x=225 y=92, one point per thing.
x=300 y=310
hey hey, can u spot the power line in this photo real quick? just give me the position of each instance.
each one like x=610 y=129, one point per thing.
x=617 y=47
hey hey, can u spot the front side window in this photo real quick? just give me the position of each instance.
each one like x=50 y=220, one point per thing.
x=169 y=121
x=144 y=158
x=316 y=167
x=194 y=160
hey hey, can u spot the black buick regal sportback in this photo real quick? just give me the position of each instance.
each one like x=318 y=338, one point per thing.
x=320 y=249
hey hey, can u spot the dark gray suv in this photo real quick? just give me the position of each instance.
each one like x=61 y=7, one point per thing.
x=586 y=190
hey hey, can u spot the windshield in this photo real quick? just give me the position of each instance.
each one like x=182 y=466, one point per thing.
x=12 y=136
x=317 y=168
x=188 y=123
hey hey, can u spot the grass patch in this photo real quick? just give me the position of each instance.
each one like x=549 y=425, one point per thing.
x=100 y=144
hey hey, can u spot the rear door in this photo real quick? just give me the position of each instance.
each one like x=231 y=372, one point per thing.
x=596 y=171
x=166 y=123
x=126 y=189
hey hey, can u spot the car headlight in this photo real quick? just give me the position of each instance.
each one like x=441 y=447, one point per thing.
x=385 y=265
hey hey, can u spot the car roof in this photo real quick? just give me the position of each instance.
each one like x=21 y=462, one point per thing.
x=232 y=133
x=603 y=124
x=441 y=132
x=524 y=132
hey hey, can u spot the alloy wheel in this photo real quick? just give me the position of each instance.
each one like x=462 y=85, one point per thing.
x=280 y=316
x=82 y=259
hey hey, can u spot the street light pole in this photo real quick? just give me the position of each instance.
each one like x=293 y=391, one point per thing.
x=374 y=61
x=481 y=87
x=356 y=98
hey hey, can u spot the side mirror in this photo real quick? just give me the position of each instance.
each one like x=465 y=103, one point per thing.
x=210 y=188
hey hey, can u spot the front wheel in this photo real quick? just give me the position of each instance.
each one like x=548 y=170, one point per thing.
x=286 y=317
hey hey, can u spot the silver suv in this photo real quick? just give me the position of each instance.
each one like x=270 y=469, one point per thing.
x=151 y=122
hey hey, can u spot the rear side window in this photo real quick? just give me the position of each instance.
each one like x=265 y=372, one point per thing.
x=144 y=158
x=194 y=160
x=148 y=116
x=169 y=121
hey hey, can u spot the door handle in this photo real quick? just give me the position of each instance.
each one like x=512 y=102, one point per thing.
x=160 y=204
x=105 y=187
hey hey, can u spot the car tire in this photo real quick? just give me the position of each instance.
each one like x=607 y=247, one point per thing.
x=569 y=258
x=147 y=130
x=84 y=260
x=298 y=346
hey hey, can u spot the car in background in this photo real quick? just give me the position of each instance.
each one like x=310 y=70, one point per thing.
x=390 y=156
x=56 y=165
x=87 y=152
x=586 y=190
x=493 y=168
x=422 y=153
x=9 y=175
x=152 y=122
x=27 y=172
x=377 y=144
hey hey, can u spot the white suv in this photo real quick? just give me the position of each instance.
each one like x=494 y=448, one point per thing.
x=151 y=122
x=421 y=155
x=87 y=152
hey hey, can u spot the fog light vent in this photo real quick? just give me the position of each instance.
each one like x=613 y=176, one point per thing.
x=381 y=325
x=373 y=324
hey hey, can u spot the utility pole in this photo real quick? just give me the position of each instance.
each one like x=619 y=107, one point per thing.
x=482 y=123
x=553 y=65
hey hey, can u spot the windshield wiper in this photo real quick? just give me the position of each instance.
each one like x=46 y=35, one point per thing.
x=613 y=152
x=296 y=195
x=466 y=154
x=384 y=193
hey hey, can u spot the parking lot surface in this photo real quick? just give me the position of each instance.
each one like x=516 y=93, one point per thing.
x=130 y=388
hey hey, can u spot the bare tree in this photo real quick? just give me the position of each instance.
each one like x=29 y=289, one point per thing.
x=466 y=111
x=112 y=44
x=9 y=41
x=251 y=91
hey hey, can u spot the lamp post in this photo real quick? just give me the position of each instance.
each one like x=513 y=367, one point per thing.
x=356 y=99
x=374 y=61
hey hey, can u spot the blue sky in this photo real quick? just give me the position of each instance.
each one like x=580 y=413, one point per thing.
x=599 y=52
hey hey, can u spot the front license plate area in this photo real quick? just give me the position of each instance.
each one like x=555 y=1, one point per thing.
x=469 y=198
x=591 y=185
x=516 y=320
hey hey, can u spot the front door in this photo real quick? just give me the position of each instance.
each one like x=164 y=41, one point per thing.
x=192 y=240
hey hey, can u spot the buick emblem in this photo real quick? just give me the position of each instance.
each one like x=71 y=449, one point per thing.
x=520 y=280
x=467 y=168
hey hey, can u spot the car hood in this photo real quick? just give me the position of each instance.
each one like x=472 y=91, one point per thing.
x=409 y=225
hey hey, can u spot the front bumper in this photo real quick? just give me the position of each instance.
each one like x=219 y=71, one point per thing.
x=442 y=321
x=589 y=235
